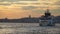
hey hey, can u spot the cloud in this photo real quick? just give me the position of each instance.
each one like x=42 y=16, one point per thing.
x=29 y=7
x=55 y=12
x=15 y=0
x=6 y=4
x=57 y=3
x=27 y=0
x=8 y=0
x=22 y=2
x=35 y=9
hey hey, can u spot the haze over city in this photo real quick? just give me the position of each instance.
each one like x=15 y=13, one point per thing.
x=24 y=8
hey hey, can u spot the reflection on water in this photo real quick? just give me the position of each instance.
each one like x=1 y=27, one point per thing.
x=27 y=28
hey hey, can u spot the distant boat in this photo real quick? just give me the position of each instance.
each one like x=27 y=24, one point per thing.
x=47 y=19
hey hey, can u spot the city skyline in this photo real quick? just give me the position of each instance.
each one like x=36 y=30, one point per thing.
x=24 y=8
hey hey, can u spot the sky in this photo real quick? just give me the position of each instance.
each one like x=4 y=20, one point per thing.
x=24 y=8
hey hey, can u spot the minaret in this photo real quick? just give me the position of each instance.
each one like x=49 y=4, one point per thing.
x=29 y=16
x=47 y=13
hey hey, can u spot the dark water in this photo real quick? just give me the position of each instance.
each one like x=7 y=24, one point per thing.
x=27 y=28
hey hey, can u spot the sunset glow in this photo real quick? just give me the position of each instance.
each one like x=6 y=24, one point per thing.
x=24 y=8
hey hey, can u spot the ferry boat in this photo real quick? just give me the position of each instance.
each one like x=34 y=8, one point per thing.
x=46 y=23
x=47 y=19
